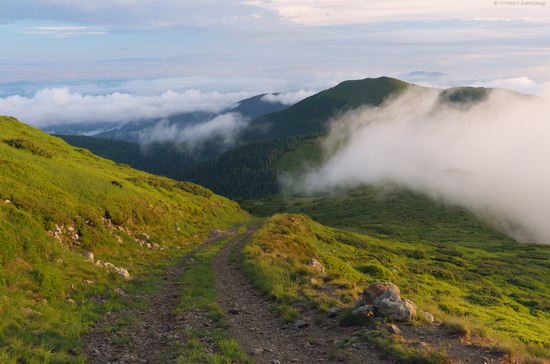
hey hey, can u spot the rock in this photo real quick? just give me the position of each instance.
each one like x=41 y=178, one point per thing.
x=359 y=303
x=301 y=324
x=399 y=310
x=70 y=228
x=120 y=292
x=122 y=271
x=317 y=265
x=70 y=300
x=234 y=311
x=275 y=361
x=257 y=351
x=428 y=317
x=88 y=281
x=88 y=255
x=333 y=311
x=7 y=201
x=367 y=310
x=393 y=329
x=59 y=261
x=377 y=289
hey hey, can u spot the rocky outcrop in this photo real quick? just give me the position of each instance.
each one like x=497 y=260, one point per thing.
x=384 y=300
x=317 y=265
x=112 y=268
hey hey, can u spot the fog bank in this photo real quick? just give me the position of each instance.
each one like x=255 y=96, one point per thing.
x=492 y=157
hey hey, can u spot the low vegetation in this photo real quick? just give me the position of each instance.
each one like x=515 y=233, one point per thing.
x=500 y=290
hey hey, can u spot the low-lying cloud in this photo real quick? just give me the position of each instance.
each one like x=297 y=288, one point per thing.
x=223 y=128
x=288 y=98
x=491 y=157
x=61 y=106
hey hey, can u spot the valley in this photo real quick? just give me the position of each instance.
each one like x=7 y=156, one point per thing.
x=105 y=263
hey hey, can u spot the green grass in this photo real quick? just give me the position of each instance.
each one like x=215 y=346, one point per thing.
x=47 y=185
x=476 y=284
x=199 y=293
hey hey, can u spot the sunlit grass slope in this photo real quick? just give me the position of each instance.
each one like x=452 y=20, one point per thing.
x=503 y=291
x=55 y=202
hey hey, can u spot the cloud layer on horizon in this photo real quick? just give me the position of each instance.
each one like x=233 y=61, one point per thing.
x=61 y=106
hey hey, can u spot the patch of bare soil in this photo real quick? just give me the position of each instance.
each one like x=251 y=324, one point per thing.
x=149 y=333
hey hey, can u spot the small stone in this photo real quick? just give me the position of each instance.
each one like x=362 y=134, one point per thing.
x=59 y=261
x=317 y=265
x=70 y=228
x=234 y=311
x=257 y=351
x=301 y=324
x=122 y=271
x=88 y=255
x=333 y=311
x=428 y=317
x=275 y=361
x=7 y=201
x=393 y=329
x=120 y=292
x=88 y=281
x=70 y=300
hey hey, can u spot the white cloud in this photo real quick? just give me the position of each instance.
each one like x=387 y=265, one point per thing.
x=522 y=84
x=491 y=158
x=61 y=106
x=288 y=98
x=313 y=12
x=135 y=13
x=225 y=127
x=66 y=31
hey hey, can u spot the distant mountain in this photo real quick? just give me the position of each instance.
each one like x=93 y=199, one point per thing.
x=251 y=168
x=133 y=131
x=81 y=128
x=256 y=106
x=427 y=74
x=311 y=115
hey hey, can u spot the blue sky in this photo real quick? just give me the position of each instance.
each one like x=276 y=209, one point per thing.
x=146 y=47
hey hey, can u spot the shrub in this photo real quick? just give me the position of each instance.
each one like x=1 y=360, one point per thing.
x=194 y=189
x=29 y=146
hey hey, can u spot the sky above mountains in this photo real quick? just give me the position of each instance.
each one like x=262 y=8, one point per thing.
x=146 y=47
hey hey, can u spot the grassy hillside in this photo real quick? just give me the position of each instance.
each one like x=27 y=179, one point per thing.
x=501 y=292
x=57 y=201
